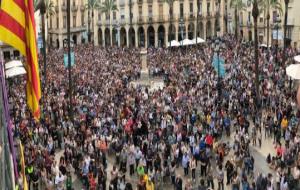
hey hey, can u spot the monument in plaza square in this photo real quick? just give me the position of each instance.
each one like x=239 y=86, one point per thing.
x=145 y=79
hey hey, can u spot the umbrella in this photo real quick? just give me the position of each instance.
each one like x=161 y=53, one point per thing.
x=297 y=58
x=199 y=40
x=14 y=63
x=186 y=42
x=293 y=71
x=173 y=43
x=15 y=71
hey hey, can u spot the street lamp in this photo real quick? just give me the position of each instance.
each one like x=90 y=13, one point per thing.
x=181 y=25
x=217 y=45
x=277 y=26
x=117 y=27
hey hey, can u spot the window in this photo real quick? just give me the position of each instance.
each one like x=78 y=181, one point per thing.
x=107 y=16
x=73 y=2
x=191 y=8
x=50 y=22
x=200 y=8
x=160 y=10
x=74 y=21
x=82 y=19
x=289 y=32
x=208 y=8
x=65 y=22
x=114 y=15
x=6 y=55
x=261 y=19
x=57 y=21
x=140 y=10
x=249 y=16
x=122 y=12
x=16 y=54
x=181 y=10
x=99 y=15
x=150 y=10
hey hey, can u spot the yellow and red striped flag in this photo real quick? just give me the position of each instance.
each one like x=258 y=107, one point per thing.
x=25 y=184
x=17 y=28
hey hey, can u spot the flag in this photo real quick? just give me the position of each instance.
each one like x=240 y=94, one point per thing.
x=17 y=28
x=25 y=184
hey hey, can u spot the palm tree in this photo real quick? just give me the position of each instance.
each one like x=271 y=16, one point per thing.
x=107 y=7
x=255 y=13
x=170 y=3
x=286 y=2
x=91 y=5
x=266 y=6
x=237 y=5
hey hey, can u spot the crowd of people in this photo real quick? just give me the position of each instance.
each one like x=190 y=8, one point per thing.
x=197 y=132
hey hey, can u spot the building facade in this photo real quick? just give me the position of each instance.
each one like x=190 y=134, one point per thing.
x=57 y=23
x=153 y=22
x=276 y=30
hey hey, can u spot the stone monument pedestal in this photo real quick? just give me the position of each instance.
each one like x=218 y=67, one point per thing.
x=145 y=80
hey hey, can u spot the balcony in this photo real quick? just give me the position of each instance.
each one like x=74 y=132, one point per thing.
x=122 y=21
x=191 y=16
x=150 y=19
x=291 y=22
x=64 y=7
x=99 y=23
x=74 y=8
x=82 y=8
x=140 y=20
x=161 y=18
x=56 y=9
x=208 y=15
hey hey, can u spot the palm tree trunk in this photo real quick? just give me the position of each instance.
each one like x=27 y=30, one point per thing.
x=236 y=23
x=93 y=23
x=268 y=33
x=89 y=26
x=255 y=15
x=197 y=22
x=285 y=30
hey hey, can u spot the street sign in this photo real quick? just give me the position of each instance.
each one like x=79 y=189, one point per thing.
x=66 y=63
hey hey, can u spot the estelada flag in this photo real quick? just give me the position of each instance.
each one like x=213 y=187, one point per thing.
x=17 y=28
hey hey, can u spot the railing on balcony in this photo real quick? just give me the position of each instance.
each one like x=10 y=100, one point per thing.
x=64 y=7
x=161 y=18
x=82 y=7
x=74 y=8
x=56 y=9
x=99 y=23
x=140 y=19
x=150 y=18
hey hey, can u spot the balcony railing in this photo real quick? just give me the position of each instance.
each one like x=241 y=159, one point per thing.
x=82 y=7
x=140 y=20
x=56 y=9
x=161 y=18
x=64 y=7
x=150 y=19
x=74 y=8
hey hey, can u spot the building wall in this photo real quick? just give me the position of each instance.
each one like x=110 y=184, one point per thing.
x=246 y=25
x=154 y=24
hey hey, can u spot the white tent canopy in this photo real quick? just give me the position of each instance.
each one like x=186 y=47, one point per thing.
x=264 y=45
x=186 y=42
x=15 y=71
x=14 y=63
x=297 y=58
x=173 y=43
x=198 y=40
x=293 y=71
